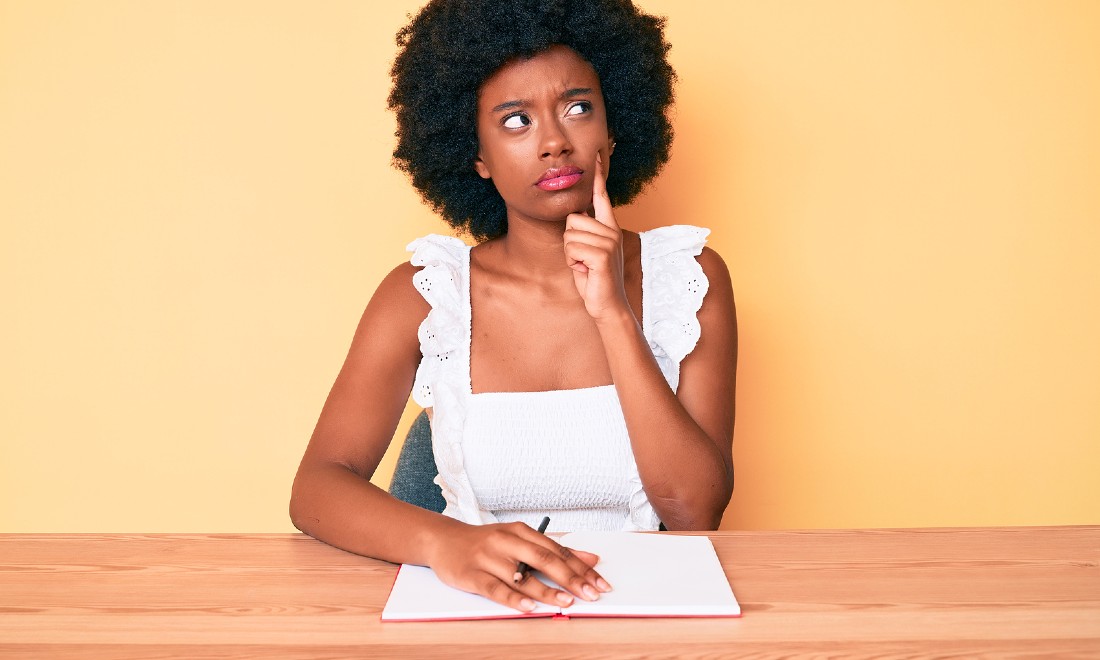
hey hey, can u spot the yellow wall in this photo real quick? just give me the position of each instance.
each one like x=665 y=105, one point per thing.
x=197 y=202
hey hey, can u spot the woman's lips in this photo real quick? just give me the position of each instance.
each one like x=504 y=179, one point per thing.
x=559 y=178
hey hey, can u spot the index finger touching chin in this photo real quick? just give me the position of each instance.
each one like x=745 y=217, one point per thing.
x=601 y=201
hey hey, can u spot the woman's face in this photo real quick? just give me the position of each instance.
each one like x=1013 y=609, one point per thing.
x=540 y=124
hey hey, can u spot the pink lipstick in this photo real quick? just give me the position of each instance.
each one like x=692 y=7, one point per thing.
x=559 y=178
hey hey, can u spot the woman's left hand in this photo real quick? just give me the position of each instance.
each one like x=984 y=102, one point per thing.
x=594 y=250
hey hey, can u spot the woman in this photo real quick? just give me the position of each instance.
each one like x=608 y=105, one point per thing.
x=570 y=368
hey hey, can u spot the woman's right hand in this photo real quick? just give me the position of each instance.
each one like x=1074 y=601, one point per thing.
x=482 y=559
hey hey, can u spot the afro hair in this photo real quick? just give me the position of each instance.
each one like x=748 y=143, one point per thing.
x=452 y=46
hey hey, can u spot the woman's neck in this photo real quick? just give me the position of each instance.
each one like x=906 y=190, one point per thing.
x=533 y=251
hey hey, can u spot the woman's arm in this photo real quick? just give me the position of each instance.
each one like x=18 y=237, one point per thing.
x=682 y=442
x=333 y=500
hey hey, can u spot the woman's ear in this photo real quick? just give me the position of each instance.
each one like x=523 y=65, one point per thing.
x=482 y=168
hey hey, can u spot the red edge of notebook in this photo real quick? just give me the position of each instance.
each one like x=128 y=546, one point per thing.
x=565 y=617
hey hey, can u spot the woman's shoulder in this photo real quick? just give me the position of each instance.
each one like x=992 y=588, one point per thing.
x=397 y=296
x=714 y=266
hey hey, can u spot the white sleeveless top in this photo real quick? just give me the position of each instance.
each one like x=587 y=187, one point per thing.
x=506 y=456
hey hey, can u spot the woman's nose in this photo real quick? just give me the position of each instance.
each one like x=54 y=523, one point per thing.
x=553 y=141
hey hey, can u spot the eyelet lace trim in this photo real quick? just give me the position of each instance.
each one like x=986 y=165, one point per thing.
x=673 y=288
x=443 y=378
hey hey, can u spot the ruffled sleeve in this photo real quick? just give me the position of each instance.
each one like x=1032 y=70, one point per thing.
x=441 y=333
x=443 y=378
x=673 y=288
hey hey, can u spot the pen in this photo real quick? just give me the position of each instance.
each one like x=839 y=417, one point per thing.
x=522 y=568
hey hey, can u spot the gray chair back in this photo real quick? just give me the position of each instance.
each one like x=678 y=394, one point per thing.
x=413 y=478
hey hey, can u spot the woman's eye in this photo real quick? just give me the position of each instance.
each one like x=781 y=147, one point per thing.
x=579 y=108
x=516 y=121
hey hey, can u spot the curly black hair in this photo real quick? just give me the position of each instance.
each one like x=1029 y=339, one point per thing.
x=452 y=46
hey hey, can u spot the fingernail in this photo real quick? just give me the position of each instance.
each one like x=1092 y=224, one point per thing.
x=603 y=585
x=564 y=598
x=590 y=592
x=527 y=604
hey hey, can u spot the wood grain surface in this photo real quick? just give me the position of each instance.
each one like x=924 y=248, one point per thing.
x=943 y=593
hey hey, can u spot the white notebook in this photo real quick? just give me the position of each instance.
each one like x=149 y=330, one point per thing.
x=652 y=575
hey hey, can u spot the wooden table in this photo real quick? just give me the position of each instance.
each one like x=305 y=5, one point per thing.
x=886 y=593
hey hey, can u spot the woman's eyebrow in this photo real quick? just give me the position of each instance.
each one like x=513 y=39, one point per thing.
x=508 y=104
x=569 y=93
